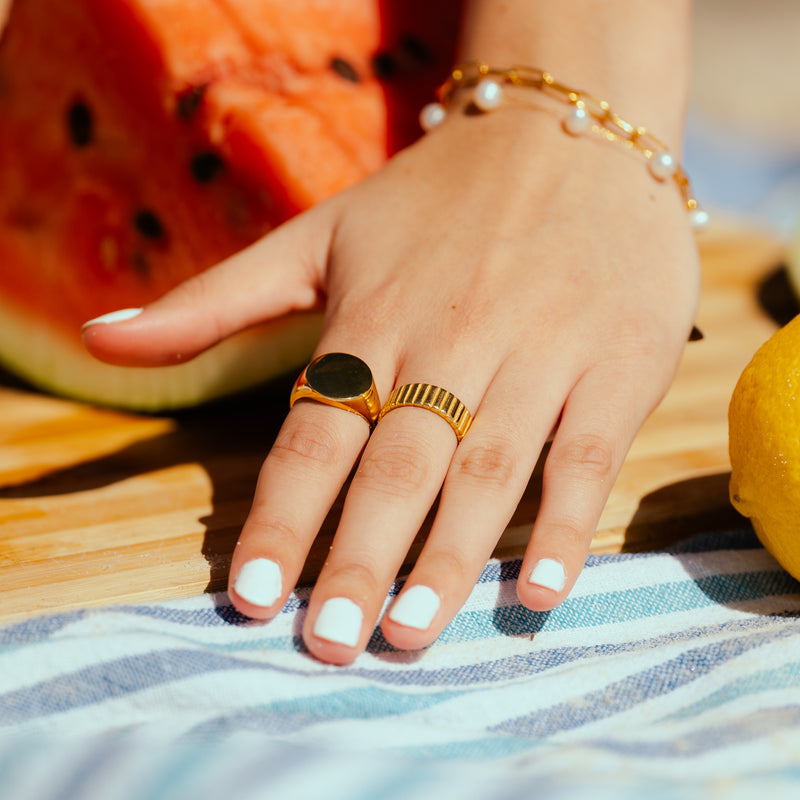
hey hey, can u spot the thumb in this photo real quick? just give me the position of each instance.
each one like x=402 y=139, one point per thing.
x=280 y=273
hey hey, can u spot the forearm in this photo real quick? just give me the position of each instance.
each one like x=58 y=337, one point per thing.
x=632 y=53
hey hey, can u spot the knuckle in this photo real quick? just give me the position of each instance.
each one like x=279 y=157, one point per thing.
x=587 y=455
x=570 y=534
x=367 y=315
x=449 y=563
x=279 y=534
x=492 y=464
x=398 y=468
x=307 y=442
x=354 y=579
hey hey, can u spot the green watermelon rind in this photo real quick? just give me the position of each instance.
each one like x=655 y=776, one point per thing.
x=55 y=363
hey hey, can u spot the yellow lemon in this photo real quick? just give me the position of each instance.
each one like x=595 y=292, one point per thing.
x=764 y=445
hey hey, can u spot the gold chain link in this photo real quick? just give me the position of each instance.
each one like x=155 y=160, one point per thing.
x=606 y=122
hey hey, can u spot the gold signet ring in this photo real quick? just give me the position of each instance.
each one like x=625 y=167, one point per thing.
x=433 y=398
x=339 y=380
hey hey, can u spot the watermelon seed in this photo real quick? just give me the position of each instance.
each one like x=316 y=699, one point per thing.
x=344 y=69
x=189 y=101
x=384 y=65
x=148 y=224
x=80 y=124
x=417 y=49
x=205 y=166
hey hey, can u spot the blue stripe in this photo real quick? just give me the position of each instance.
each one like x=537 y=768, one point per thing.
x=37 y=629
x=538 y=661
x=644 y=685
x=749 y=728
x=787 y=676
x=289 y=716
x=766 y=723
x=615 y=607
x=120 y=677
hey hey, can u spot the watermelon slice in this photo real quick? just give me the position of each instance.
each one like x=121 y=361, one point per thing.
x=145 y=140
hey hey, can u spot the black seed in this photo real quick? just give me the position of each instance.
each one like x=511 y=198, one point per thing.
x=384 y=65
x=696 y=335
x=80 y=124
x=189 y=101
x=205 y=166
x=148 y=224
x=417 y=49
x=344 y=69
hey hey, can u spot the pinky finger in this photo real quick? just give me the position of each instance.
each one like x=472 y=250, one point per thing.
x=581 y=467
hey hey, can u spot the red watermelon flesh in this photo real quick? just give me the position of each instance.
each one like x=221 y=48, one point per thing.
x=142 y=141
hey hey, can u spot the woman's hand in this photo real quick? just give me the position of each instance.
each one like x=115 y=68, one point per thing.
x=547 y=281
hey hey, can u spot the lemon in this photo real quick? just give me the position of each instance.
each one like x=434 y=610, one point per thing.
x=764 y=445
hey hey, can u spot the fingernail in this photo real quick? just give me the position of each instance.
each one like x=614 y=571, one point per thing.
x=114 y=316
x=548 y=573
x=415 y=608
x=259 y=582
x=339 y=621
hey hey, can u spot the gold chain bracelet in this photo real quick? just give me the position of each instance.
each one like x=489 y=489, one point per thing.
x=586 y=113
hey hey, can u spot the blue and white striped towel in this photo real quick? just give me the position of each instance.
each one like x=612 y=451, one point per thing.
x=675 y=674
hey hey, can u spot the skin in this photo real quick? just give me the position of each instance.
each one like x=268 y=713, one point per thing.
x=546 y=280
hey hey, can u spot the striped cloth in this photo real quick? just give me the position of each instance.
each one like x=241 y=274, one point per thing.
x=673 y=673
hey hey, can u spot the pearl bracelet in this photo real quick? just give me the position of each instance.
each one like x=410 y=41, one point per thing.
x=585 y=114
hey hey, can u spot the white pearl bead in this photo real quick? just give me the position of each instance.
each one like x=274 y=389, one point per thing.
x=663 y=165
x=577 y=121
x=432 y=114
x=487 y=95
x=699 y=218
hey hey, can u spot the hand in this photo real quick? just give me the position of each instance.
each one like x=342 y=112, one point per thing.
x=547 y=281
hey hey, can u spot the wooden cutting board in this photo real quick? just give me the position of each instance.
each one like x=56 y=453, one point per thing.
x=98 y=506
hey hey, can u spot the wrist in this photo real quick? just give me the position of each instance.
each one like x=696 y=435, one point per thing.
x=632 y=53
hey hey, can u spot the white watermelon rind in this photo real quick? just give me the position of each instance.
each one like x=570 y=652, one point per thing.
x=47 y=359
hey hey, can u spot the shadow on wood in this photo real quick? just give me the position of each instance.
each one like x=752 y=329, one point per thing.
x=681 y=510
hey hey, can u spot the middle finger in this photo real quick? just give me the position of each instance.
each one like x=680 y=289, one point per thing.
x=398 y=478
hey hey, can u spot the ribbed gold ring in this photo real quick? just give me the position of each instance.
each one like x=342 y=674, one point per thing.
x=339 y=380
x=433 y=398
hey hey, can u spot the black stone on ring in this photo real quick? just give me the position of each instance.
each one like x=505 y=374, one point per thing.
x=340 y=380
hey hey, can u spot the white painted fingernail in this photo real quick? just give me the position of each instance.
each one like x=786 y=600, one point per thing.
x=416 y=607
x=259 y=582
x=339 y=621
x=548 y=573
x=114 y=316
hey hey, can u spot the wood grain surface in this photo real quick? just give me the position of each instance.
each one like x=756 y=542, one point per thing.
x=98 y=506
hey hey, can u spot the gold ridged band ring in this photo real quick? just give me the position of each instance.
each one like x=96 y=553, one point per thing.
x=432 y=398
x=339 y=380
